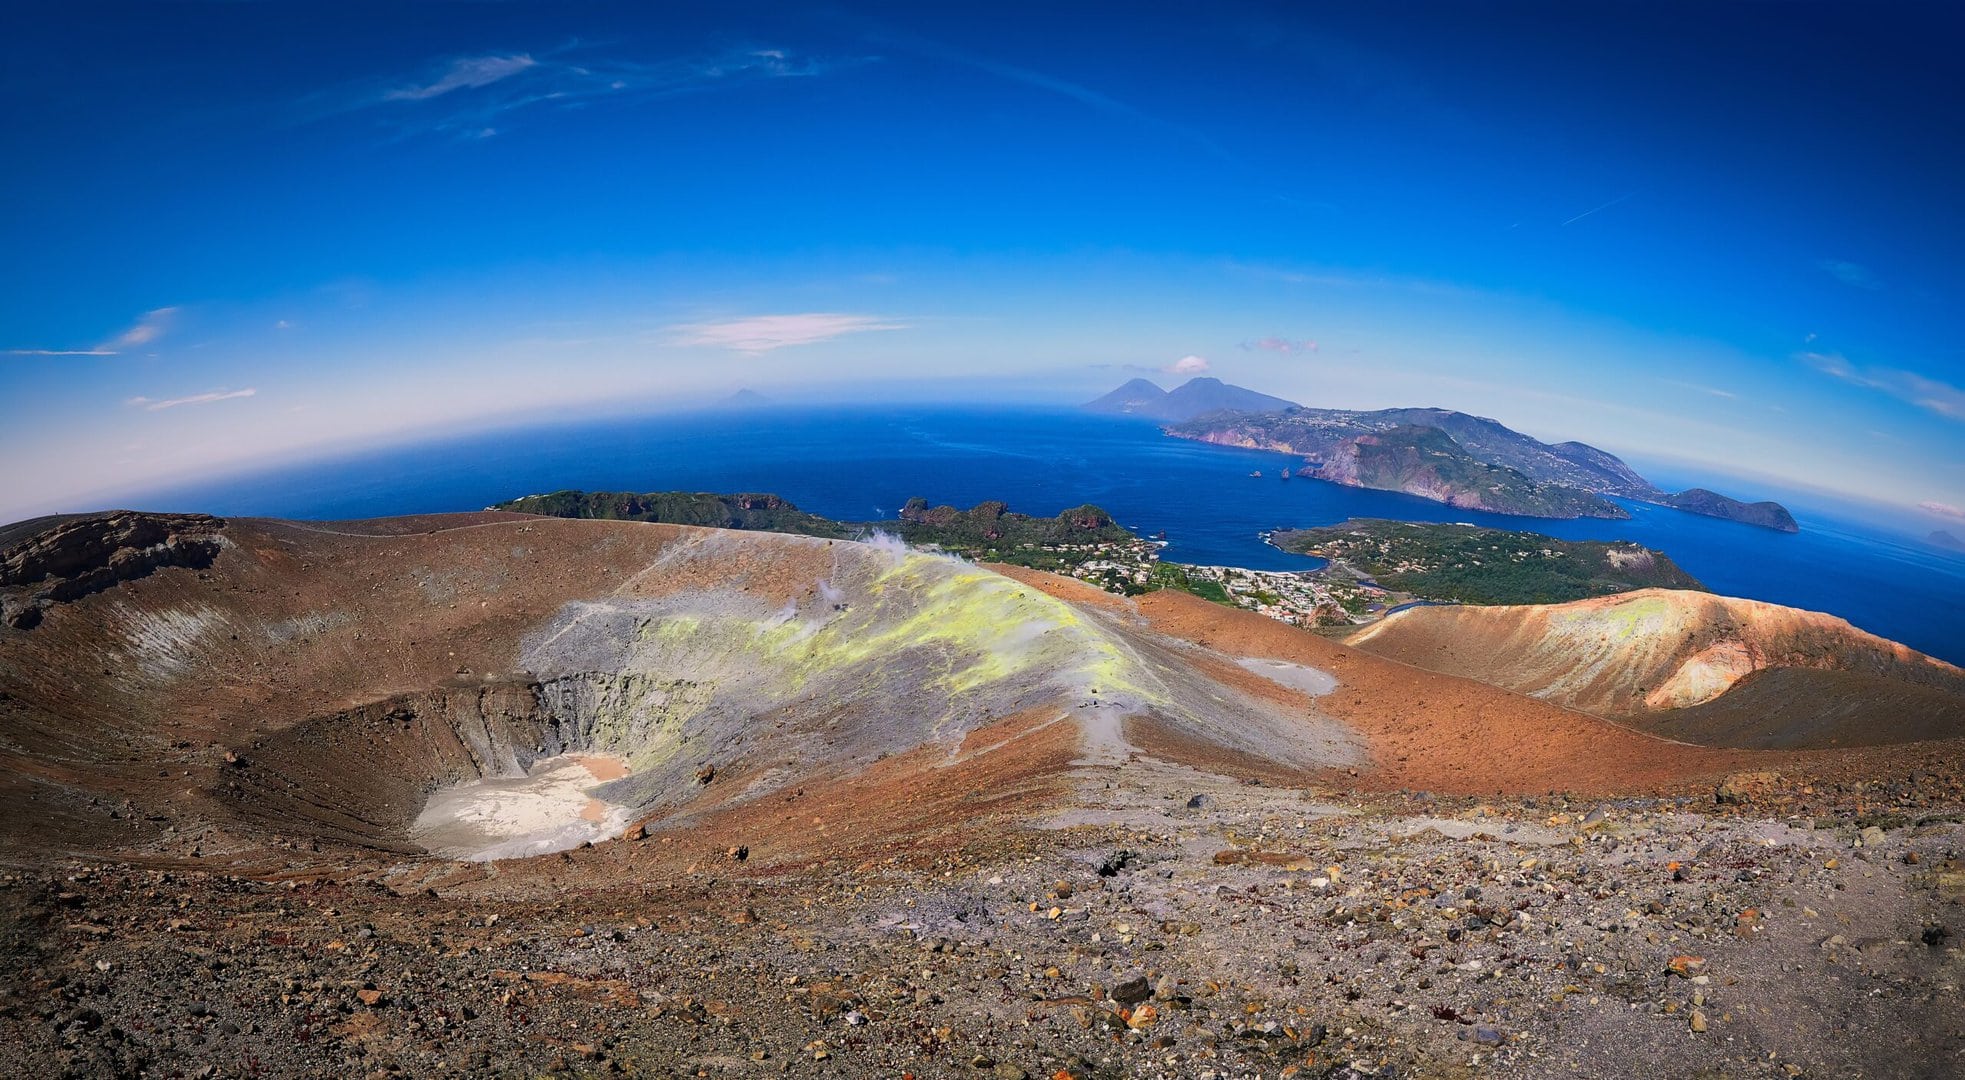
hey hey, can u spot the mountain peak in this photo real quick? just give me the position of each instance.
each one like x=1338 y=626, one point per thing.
x=1141 y=396
x=1198 y=396
x=744 y=399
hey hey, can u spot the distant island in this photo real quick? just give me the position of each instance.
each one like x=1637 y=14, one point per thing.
x=1438 y=454
x=1193 y=398
x=1767 y=515
x=1943 y=539
x=987 y=532
x=1467 y=564
x=747 y=510
x=745 y=399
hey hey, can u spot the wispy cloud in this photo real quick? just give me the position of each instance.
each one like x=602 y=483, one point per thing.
x=1931 y=506
x=1854 y=275
x=1085 y=95
x=1702 y=388
x=1188 y=365
x=1078 y=92
x=148 y=328
x=1344 y=279
x=763 y=333
x=160 y=404
x=1932 y=395
x=469 y=97
x=1361 y=74
x=1279 y=345
x=468 y=73
x=1598 y=209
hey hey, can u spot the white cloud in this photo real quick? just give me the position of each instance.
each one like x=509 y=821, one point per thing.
x=1942 y=509
x=763 y=333
x=147 y=329
x=157 y=405
x=1701 y=388
x=468 y=98
x=466 y=74
x=1854 y=275
x=1931 y=395
x=1187 y=365
x=1597 y=209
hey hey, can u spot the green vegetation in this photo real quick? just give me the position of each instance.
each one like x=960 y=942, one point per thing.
x=988 y=532
x=1176 y=576
x=991 y=533
x=1470 y=565
x=765 y=513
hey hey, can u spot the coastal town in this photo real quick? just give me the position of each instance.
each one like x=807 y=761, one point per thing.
x=1307 y=598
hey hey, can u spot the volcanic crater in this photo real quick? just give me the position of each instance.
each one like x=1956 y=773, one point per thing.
x=325 y=680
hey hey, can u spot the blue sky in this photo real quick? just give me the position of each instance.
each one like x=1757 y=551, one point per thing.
x=1720 y=238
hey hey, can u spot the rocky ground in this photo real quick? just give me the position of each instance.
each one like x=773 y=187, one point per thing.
x=1239 y=931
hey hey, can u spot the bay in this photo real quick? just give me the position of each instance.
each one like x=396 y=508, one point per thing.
x=863 y=463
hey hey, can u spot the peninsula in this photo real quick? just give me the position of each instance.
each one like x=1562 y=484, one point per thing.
x=1439 y=454
x=1467 y=564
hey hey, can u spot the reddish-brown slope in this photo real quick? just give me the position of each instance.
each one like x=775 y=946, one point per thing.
x=1706 y=668
x=117 y=710
x=1448 y=734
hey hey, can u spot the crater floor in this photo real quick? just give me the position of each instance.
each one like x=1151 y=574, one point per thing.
x=553 y=807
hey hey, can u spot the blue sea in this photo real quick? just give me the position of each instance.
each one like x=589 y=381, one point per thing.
x=860 y=464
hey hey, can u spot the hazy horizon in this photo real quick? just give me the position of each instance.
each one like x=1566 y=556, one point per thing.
x=1810 y=501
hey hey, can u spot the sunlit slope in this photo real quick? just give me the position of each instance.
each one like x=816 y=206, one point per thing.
x=880 y=649
x=1688 y=664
